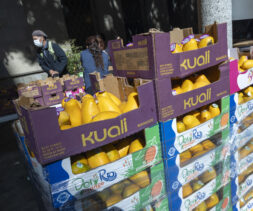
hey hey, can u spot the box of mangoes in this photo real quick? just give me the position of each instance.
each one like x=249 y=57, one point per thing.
x=203 y=191
x=178 y=53
x=186 y=131
x=91 y=123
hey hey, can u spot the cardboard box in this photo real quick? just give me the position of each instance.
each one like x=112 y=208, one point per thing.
x=185 y=172
x=174 y=142
x=51 y=88
x=154 y=191
x=30 y=91
x=170 y=106
x=150 y=56
x=74 y=83
x=178 y=202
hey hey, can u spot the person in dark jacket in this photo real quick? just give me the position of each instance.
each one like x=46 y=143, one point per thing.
x=51 y=57
x=93 y=59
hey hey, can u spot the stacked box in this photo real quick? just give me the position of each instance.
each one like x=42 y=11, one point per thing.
x=241 y=119
x=73 y=85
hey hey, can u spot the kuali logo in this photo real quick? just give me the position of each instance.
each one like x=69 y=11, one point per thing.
x=193 y=101
x=111 y=132
x=196 y=61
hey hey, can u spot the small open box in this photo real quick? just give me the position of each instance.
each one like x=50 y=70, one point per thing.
x=150 y=56
x=49 y=143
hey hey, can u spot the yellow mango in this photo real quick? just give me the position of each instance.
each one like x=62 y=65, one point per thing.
x=212 y=201
x=200 y=84
x=242 y=60
x=132 y=102
x=184 y=156
x=180 y=127
x=208 y=175
x=123 y=146
x=79 y=164
x=240 y=98
x=129 y=190
x=199 y=153
x=202 y=78
x=176 y=48
x=205 y=40
x=195 y=114
x=177 y=90
x=249 y=91
x=122 y=106
x=208 y=145
x=112 y=152
x=135 y=145
x=113 y=199
x=114 y=99
x=214 y=110
x=63 y=101
x=190 y=121
x=104 y=195
x=141 y=179
x=201 y=207
x=247 y=64
x=196 y=149
x=89 y=110
x=72 y=108
x=117 y=188
x=205 y=115
x=106 y=104
x=248 y=196
x=65 y=127
x=187 y=85
x=105 y=115
x=97 y=158
x=197 y=185
x=190 y=45
x=63 y=118
x=87 y=96
x=187 y=190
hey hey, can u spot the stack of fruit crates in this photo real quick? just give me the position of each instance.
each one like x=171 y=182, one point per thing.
x=241 y=119
x=112 y=160
x=192 y=98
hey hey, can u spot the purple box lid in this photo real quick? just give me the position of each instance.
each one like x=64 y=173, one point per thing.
x=53 y=98
x=70 y=84
x=49 y=143
x=30 y=91
x=51 y=89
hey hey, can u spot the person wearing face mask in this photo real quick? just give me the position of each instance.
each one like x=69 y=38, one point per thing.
x=51 y=57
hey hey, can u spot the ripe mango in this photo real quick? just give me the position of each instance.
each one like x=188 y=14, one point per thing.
x=72 y=108
x=122 y=106
x=199 y=84
x=197 y=185
x=184 y=156
x=79 y=164
x=123 y=146
x=87 y=96
x=187 y=190
x=141 y=179
x=89 y=110
x=104 y=195
x=212 y=201
x=64 y=118
x=113 y=199
x=177 y=90
x=202 y=78
x=187 y=85
x=117 y=188
x=242 y=60
x=190 y=121
x=176 y=48
x=189 y=44
x=65 y=127
x=129 y=190
x=196 y=149
x=112 y=152
x=208 y=145
x=135 y=146
x=249 y=91
x=240 y=98
x=132 y=102
x=106 y=104
x=247 y=64
x=114 y=98
x=205 y=40
x=180 y=127
x=201 y=207
x=200 y=153
x=97 y=158
x=105 y=115
x=205 y=115
x=208 y=175
x=214 y=110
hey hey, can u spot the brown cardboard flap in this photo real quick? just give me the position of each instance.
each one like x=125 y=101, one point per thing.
x=212 y=31
x=176 y=35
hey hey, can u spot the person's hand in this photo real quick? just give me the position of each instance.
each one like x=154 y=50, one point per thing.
x=52 y=72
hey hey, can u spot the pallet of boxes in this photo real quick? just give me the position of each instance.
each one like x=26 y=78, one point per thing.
x=97 y=152
x=241 y=119
x=191 y=80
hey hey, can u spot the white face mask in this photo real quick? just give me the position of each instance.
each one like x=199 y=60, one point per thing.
x=37 y=43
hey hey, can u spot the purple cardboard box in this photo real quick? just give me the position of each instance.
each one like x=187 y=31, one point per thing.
x=30 y=91
x=171 y=106
x=49 y=143
x=150 y=56
x=54 y=88
x=73 y=84
x=53 y=99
